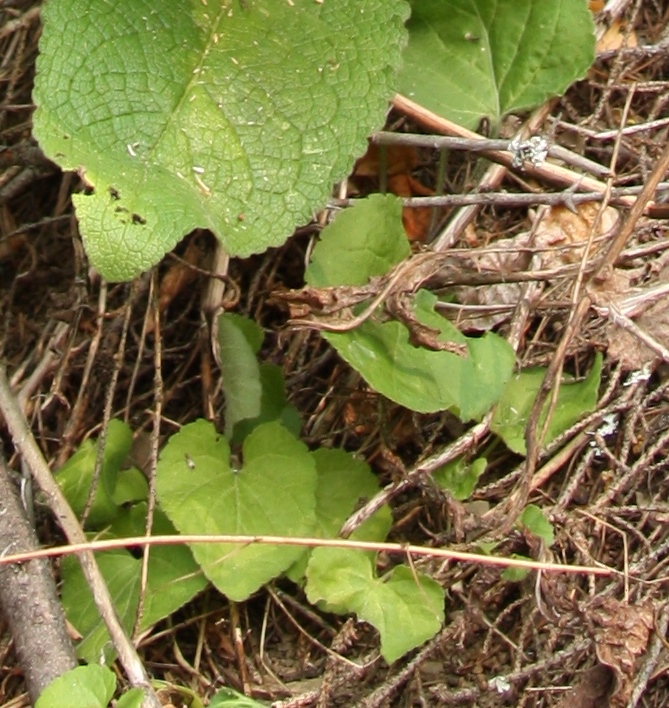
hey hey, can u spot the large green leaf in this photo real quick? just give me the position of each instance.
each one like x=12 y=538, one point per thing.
x=422 y=379
x=233 y=116
x=343 y=482
x=271 y=493
x=366 y=241
x=467 y=59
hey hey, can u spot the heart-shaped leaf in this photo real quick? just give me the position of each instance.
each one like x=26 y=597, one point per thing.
x=343 y=482
x=575 y=398
x=271 y=493
x=424 y=380
x=406 y=608
x=365 y=241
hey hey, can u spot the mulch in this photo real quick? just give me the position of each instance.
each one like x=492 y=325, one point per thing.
x=546 y=640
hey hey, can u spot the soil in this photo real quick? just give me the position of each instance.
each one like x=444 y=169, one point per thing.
x=546 y=639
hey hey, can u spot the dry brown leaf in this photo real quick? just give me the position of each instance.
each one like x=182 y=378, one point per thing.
x=399 y=159
x=591 y=691
x=416 y=220
x=557 y=241
x=622 y=632
x=615 y=37
x=506 y=256
x=179 y=276
x=645 y=310
x=562 y=234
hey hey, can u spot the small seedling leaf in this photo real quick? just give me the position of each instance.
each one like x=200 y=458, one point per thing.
x=513 y=410
x=75 y=477
x=85 y=687
x=229 y=698
x=237 y=117
x=271 y=493
x=134 y=698
x=469 y=59
x=240 y=371
x=514 y=574
x=254 y=393
x=535 y=521
x=459 y=477
x=407 y=609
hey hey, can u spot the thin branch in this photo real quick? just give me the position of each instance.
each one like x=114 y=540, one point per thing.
x=32 y=455
x=307 y=542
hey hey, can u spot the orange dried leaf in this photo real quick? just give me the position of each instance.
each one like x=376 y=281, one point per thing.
x=398 y=159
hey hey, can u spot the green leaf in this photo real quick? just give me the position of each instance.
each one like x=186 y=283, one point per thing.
x=229 y=698
x=272 y=493
x=254 y=393
x=365 y=241
x=513 y=411
x=237 y=117
x=273 y=405
x=406 y=609
x=459 y=477
x=131 y=486
x=361 y=242
x=467 y=59
x=75 y=477
x=85 y=687
x=131 y=699
x=514 y=574
x=535 y=521
x=187 y=696
x=251 y=330
x=424 y=380
x=173 y=579
x=343 y=482
x=239 y=368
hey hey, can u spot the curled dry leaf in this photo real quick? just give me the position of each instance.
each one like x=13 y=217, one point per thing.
x=591 y=691
x=562 y=235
